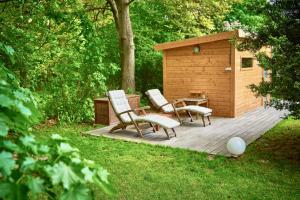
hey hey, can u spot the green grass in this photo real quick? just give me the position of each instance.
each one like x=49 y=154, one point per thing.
x=269 y=169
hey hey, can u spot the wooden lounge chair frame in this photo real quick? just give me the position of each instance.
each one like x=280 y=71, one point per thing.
x=182 y=102
x=122 y=125
x=175 y=102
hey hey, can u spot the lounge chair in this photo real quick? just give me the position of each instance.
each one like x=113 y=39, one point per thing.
x=127 y=116
x=159 y=102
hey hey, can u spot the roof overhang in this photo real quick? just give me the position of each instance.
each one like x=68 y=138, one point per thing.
x=203 y=39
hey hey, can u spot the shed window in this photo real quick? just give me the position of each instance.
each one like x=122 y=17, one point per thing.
x=247 y=62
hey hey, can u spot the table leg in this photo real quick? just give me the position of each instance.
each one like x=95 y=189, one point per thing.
x=156 y=126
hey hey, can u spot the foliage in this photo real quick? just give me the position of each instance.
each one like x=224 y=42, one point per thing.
x=156 y=22
x=269 y=169
x=164 y=21
x=68 y=51
x=29 y=168
x=246 y=17
x=59 y=55
x=281 y=33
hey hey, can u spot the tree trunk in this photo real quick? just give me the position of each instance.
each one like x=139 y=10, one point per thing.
x=120 y=9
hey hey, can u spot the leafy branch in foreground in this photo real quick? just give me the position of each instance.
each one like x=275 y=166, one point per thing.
x=281 y=33
x=30 y=168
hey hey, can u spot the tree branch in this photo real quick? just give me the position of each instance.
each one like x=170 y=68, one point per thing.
x=4 y=1
x=114 y=10
x=130 y=2
x=102 y=9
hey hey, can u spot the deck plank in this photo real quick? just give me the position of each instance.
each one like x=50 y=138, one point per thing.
x=240 y=129
x=211 y=139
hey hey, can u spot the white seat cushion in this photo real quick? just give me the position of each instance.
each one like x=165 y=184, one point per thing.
x=197 y=109
x=120 y=104
x=164 y=122
x=158 y=100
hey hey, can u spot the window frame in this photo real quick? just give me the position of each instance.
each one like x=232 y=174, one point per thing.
x=247 y=68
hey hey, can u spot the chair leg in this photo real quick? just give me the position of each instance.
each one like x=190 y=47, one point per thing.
x=203 y=120
x=167 y=133
x=154 y=131
x=138 y=129
x=178 y=117
x=119 y=126
x=209 y=120
x=174 y=132
x=190 y=115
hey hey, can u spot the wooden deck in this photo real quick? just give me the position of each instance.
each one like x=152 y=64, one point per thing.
x=211 y=139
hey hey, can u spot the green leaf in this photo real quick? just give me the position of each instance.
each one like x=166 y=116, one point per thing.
x=28 y=140
x=76 y=160
x=9 y=49
x=36 y=185
x=61 y=173
x=77 y=192
x=103 y=174
x=3 y=129
x=24 y=110
x=19 y=94
x=89 y=163
x=11 y=146
x=7 y=190
x=66 y=148
x=107 y=188
x=88 y=174
x=28 y=164
x=7 y=163
x=5 y=101
x=57 y=137
x=12 y=191
x=44 y=149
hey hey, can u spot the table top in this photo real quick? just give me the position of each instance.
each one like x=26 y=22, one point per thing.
x=194 y=99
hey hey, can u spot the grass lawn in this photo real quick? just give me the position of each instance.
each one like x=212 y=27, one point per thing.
x=270 y=168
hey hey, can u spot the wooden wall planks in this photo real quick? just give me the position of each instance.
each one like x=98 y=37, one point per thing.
x=245 y=99
x=185 y=71
x=227 y=90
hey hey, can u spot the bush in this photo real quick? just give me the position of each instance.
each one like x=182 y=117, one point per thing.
x=29 y=168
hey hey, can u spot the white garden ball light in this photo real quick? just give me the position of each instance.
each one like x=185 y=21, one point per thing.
x=236 y=145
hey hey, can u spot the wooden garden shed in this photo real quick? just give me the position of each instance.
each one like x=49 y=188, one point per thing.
x=212 y=65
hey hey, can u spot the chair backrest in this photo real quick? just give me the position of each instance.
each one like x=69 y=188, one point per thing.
x=157 y=99
x=120 y=104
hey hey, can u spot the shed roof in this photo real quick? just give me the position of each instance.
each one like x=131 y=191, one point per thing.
x=198 y=40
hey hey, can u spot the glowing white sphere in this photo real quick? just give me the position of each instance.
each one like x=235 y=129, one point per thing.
x=236 y=145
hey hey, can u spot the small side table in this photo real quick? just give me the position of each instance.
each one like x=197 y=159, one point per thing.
x=195 y=101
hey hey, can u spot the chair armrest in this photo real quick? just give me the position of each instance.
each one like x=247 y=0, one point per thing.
x=127 y=111
x=142 y=108
x=177 y=101
x=160 y=107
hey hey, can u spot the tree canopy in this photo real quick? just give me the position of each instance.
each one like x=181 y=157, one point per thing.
x=280 y=31
x=67 y=52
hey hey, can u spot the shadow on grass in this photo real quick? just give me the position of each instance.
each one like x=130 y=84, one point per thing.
x=280 y=145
